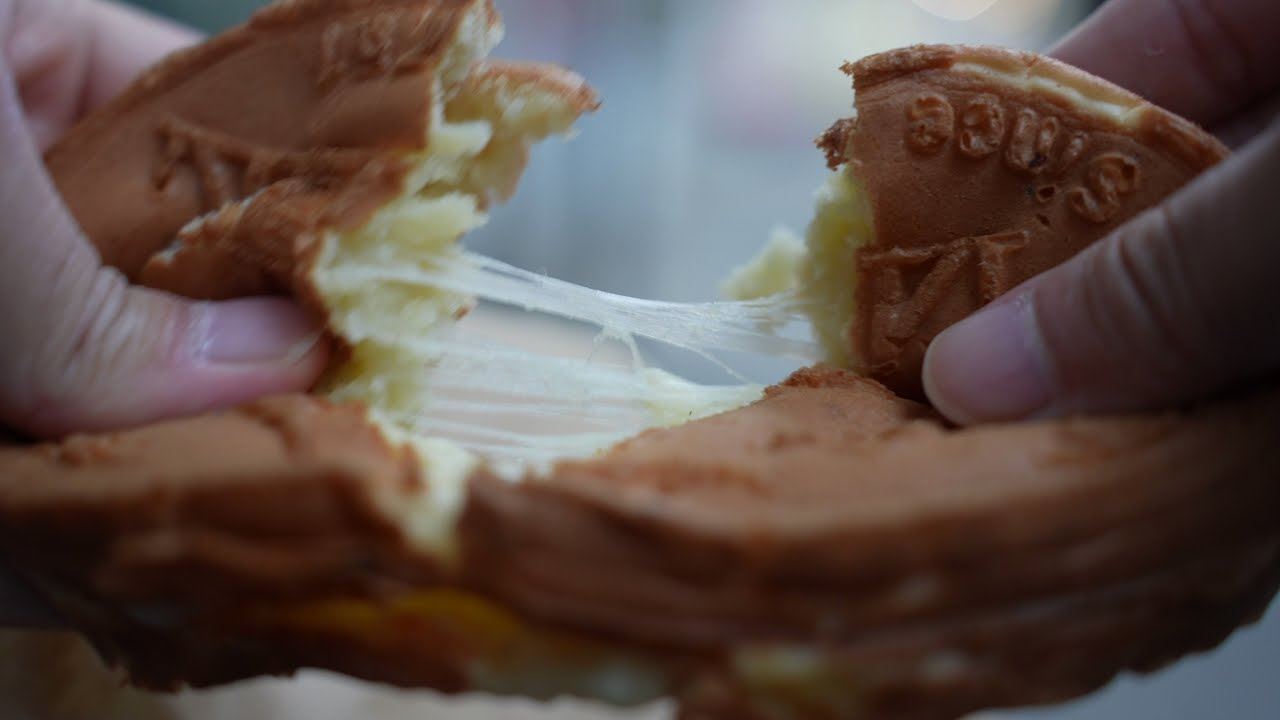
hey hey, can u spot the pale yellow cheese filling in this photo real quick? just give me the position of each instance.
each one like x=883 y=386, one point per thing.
x=818 y=271
x=399 y=289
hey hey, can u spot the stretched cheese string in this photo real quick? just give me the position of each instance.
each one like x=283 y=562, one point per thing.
x=750 y=326
x=521 y=407
x=397 y=285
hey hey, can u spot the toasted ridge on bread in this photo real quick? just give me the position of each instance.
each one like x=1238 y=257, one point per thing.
x=830 y=550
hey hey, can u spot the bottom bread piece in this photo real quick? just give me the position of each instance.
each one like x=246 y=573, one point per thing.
x=830 y=551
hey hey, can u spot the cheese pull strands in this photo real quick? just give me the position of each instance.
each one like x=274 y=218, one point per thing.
x=749 y=326
x=520 y=407
x=517 y=406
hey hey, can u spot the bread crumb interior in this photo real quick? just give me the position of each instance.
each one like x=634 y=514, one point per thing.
x=816 y=273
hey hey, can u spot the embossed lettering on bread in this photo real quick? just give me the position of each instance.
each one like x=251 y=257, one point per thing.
x=977 y=168
x=831 y=550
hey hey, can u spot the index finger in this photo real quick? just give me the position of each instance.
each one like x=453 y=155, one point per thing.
x=1207 y=60
x=70 y=56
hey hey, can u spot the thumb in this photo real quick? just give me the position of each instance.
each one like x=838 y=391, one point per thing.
x=1176 y=305
x=82 y=349
x=111 y=355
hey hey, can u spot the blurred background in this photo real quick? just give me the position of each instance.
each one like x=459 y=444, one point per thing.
x=704 y=143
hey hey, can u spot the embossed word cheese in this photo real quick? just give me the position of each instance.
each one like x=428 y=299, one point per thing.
x=980 y=168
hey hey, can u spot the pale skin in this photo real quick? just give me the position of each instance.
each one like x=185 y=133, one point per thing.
x=1091 y=336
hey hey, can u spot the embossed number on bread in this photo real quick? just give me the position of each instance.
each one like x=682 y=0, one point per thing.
x=830 y=550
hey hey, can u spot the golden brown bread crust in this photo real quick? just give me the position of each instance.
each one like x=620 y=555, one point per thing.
x=904 y=567
x=984 y=167
x=933 y=571
x=154 y=545
x=216 y=174
x=268 y=241
x=315 y=99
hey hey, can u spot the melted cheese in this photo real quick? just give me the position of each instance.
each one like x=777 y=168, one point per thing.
x=400 y=287
x=818 y=274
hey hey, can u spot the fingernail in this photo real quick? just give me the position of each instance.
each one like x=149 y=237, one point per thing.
x=987 y=367
x=259 y=331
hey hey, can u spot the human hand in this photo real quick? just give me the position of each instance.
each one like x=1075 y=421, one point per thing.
x=1177 y=304
x=83 y=350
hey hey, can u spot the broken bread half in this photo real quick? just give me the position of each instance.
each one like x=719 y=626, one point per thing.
x=965 y=172
x=827 y=550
